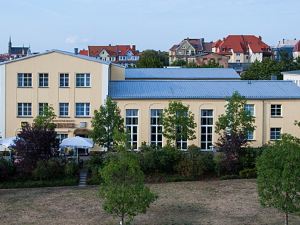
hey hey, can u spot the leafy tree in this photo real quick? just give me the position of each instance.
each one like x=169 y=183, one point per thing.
x=123 y=189
x=105 y=122
x=233 y=127
x=45 y=119
x=37 y=141
x=268 y=67
x=153 y=59
x=178 y=123
x=182 y=63
x=278 y=178
x=179 y=62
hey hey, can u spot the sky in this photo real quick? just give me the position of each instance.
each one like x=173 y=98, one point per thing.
x=149 y=24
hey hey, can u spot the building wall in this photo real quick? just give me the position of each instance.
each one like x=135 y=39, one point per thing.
x=292 y=77
x=263 y=120
x=2 y=101
x=296 y=55
x=117 y=72
x=54 y=64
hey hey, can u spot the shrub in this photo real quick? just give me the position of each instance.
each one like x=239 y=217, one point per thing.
x=46 y=170
x=248 y=173
x=248 y=157
x=7 y=169
x=230 y=177
x=218 y=159
x=95 y=164
x=71 y=169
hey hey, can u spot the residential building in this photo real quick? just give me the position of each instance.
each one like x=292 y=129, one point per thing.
x=126 y=55
x=189 y=48
x=242 y=48
x=75 y=85
x=206 y=58
x=285 y=47
x=296 y=50
x=293 y=76
x=181 y=74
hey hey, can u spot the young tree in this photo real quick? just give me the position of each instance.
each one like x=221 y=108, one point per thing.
x=37 y=141
x=123 y=189
x=178 y=123
x=278 y=176
x=105 y=122
x=233 y=127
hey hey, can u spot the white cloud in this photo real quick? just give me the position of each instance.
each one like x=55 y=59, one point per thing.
x=74 y=39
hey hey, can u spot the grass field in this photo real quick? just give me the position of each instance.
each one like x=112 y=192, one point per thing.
x=230 y=202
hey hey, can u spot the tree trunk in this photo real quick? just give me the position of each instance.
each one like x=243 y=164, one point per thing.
x=286 y=219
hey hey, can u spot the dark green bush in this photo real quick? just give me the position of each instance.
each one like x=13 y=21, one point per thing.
x=94 y=165
x=248 y=173
x=230 y=177
x=71 y=169
x=248 y=157
x=47 y=170
x=7 y=169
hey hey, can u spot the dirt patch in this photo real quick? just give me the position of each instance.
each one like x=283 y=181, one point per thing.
x=231 y=202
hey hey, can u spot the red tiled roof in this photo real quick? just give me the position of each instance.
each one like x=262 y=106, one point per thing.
x=297 y=47
x=120 y=50
x=241 y=44
x=84 y=52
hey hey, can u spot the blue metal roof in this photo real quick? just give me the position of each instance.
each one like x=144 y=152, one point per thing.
x=203 y=89
x=181 y=73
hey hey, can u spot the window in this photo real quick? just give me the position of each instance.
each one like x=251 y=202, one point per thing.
x=181 y=143
x=276 y=110
x=83 y=80
x=64 y=80
x=238 y=54
x=24 y=109
x=63 y=109
x=42 y=107
x=24 y=80
x=250 y=135
x=82 y=109
x=132 y=122
x=275 y=133
x=156 y=127
x=43 y=80
x=238 y=61
x=61 y=137
x=206 y=129
x=250 y=109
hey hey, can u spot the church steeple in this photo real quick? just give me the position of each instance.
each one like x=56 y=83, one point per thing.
x=9 y=46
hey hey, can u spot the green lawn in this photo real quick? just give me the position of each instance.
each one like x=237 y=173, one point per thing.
x=229 y=202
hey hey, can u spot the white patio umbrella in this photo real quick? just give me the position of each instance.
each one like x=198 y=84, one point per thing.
x=8 y=142
x=77 y=142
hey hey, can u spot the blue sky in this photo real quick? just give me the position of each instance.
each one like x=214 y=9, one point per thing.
x=150 y=24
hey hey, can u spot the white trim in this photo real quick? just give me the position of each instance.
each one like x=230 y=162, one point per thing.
x=104 y=82
x=2 y=101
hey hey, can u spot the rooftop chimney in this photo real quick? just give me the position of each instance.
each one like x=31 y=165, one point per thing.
x=132 y=47
x=260 y=38
x=76 y=51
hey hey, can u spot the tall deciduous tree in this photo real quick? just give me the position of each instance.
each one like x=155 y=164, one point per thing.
x=233 y=127
x=123 y=189
x=153 y=59
x=178 y=123
x=278 y=175
x=105 y=122
x=37 y=141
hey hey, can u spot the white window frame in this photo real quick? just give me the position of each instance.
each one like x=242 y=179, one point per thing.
x=85 y=80
x=61 y=136
x=274 y=137
x=64 y=78
x=26 y=109
x=43 y=80
x=42 y=105
x=62 y=108
x=131 y=116
x=251 y=112
x=276 y=109
x=248 y=134
x=86 y=109
x=24 y=80
x=155 y=124
x=206 y=127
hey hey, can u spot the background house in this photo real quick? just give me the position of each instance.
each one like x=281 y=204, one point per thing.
x=284 y=47
x=296 y=50
x=126 y=55
x=189 y=49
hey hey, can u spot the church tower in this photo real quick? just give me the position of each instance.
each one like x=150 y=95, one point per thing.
x=9 y=46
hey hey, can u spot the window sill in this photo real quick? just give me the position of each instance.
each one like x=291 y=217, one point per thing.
x=25 y=117
x=64 y=87
x=43 y=87
x=24 y=87
x=64 y=117
x=83 y=117
x=277 y=117
x=84 y=87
